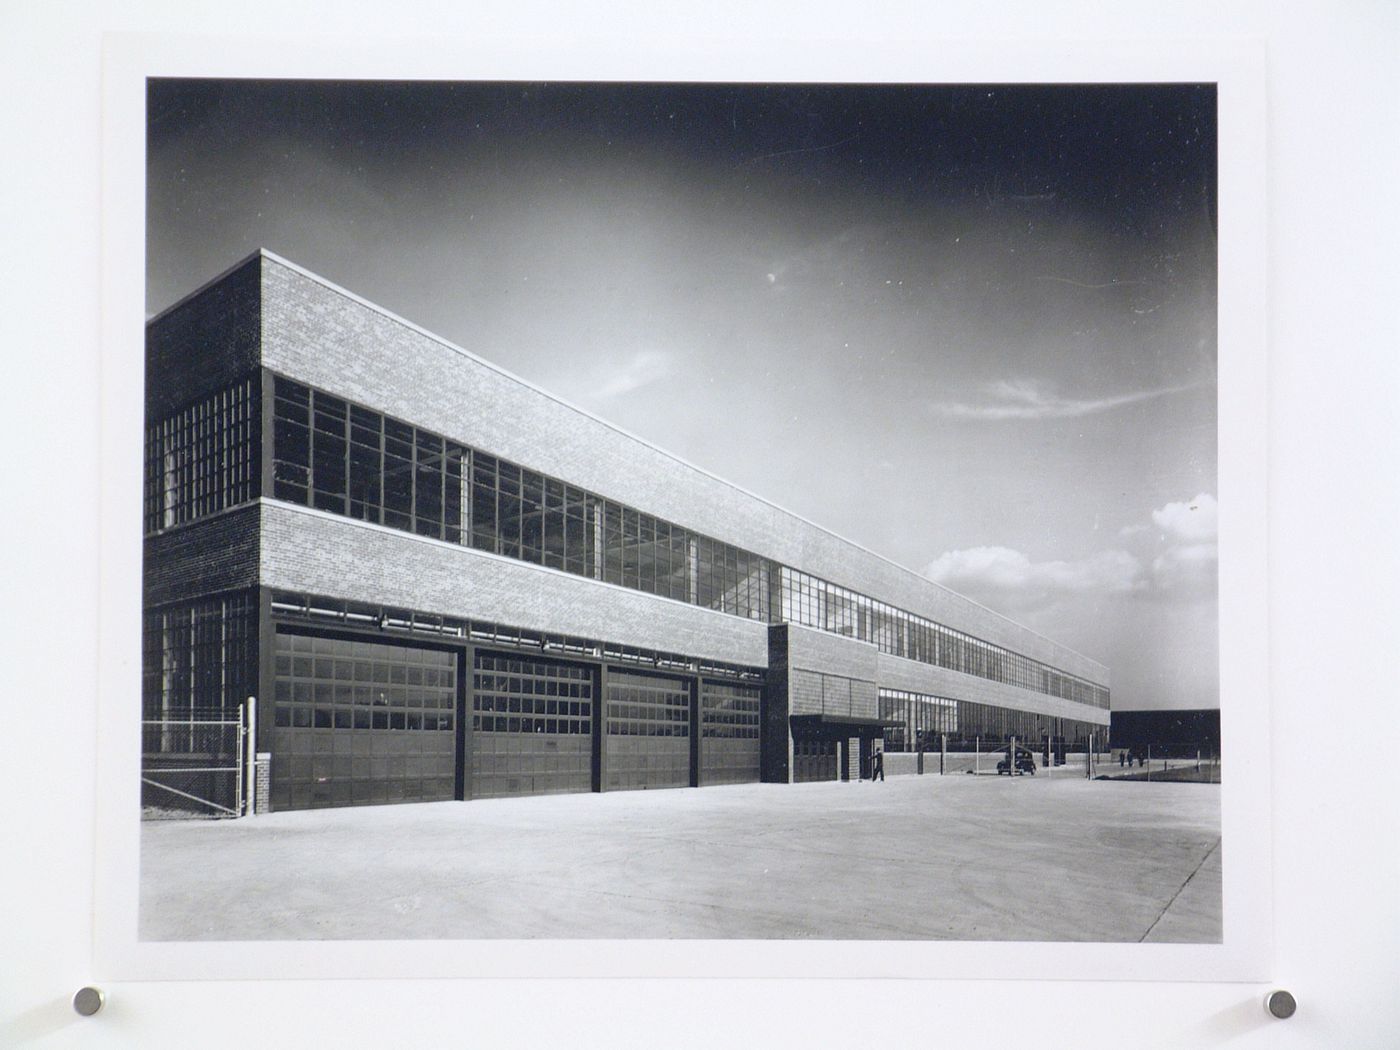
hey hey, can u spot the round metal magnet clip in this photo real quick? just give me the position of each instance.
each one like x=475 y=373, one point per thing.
x=89 y=1000
x=1281 y=1004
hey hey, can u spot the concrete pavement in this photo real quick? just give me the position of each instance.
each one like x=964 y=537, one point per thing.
x=948 y=858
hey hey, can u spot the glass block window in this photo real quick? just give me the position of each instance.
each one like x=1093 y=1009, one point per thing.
x=202 y=459
x=198 y=657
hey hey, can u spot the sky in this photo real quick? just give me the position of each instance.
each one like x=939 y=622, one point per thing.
x=969 y=327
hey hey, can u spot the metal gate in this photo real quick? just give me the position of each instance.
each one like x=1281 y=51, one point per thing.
x=197 y=765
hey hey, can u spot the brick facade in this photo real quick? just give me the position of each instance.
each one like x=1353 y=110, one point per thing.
x=814 y=693
x=318 y=553
x=209 y=556
x=262 y=778
x=831 y=653
x=206 y=341
x=329 y=338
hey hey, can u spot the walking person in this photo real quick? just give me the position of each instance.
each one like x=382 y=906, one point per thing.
x=877 y=766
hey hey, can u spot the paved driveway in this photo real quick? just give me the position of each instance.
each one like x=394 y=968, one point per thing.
x=944 y=858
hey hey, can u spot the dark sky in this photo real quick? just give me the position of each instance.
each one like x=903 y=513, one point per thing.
x=969 y=327
x=1140 y=156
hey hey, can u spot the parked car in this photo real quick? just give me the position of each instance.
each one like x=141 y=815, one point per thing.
x=1025 y=762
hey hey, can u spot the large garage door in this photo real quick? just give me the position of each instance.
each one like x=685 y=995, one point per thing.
x=729 y=752
x=532 y=725
x=358 y=723
x=648 y=732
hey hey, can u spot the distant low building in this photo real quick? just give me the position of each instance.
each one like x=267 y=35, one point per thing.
x=1170 y=734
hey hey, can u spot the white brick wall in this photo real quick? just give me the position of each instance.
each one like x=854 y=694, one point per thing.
x=320 y=553
x=323 y=336
x=831 y=653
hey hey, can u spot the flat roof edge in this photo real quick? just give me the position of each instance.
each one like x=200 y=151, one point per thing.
x=506 y=373
x=201 y=289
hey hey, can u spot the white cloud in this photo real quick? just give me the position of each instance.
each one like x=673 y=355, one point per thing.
x=1003 y=573
x=1187 y=563
x=1028 y=399
x=1186 y=569
x=1187 y=558
x=1178 y=563
x=1193 y=521
x=642 y=369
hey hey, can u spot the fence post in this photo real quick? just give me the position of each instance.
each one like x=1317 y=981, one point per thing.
x=252 y=753
x=238 y=753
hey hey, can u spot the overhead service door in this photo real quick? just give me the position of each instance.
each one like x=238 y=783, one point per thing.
x=729 y=750
x=532 y=726
x=358 y=723
x=648 y=732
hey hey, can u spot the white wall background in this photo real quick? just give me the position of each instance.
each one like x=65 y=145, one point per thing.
x=1334 y=97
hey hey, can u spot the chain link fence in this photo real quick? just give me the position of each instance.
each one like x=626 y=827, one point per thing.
x=193 y=766
x=1180 y=763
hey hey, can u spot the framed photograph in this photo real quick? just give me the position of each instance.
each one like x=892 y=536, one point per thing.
x=683 y=517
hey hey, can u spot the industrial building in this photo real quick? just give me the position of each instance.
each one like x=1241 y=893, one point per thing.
x=441 y=582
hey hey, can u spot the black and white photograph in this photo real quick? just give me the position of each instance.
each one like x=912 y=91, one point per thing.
x=649 y=525
x=680 y=510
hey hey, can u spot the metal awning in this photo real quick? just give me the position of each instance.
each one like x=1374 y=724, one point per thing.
x=846 y=720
